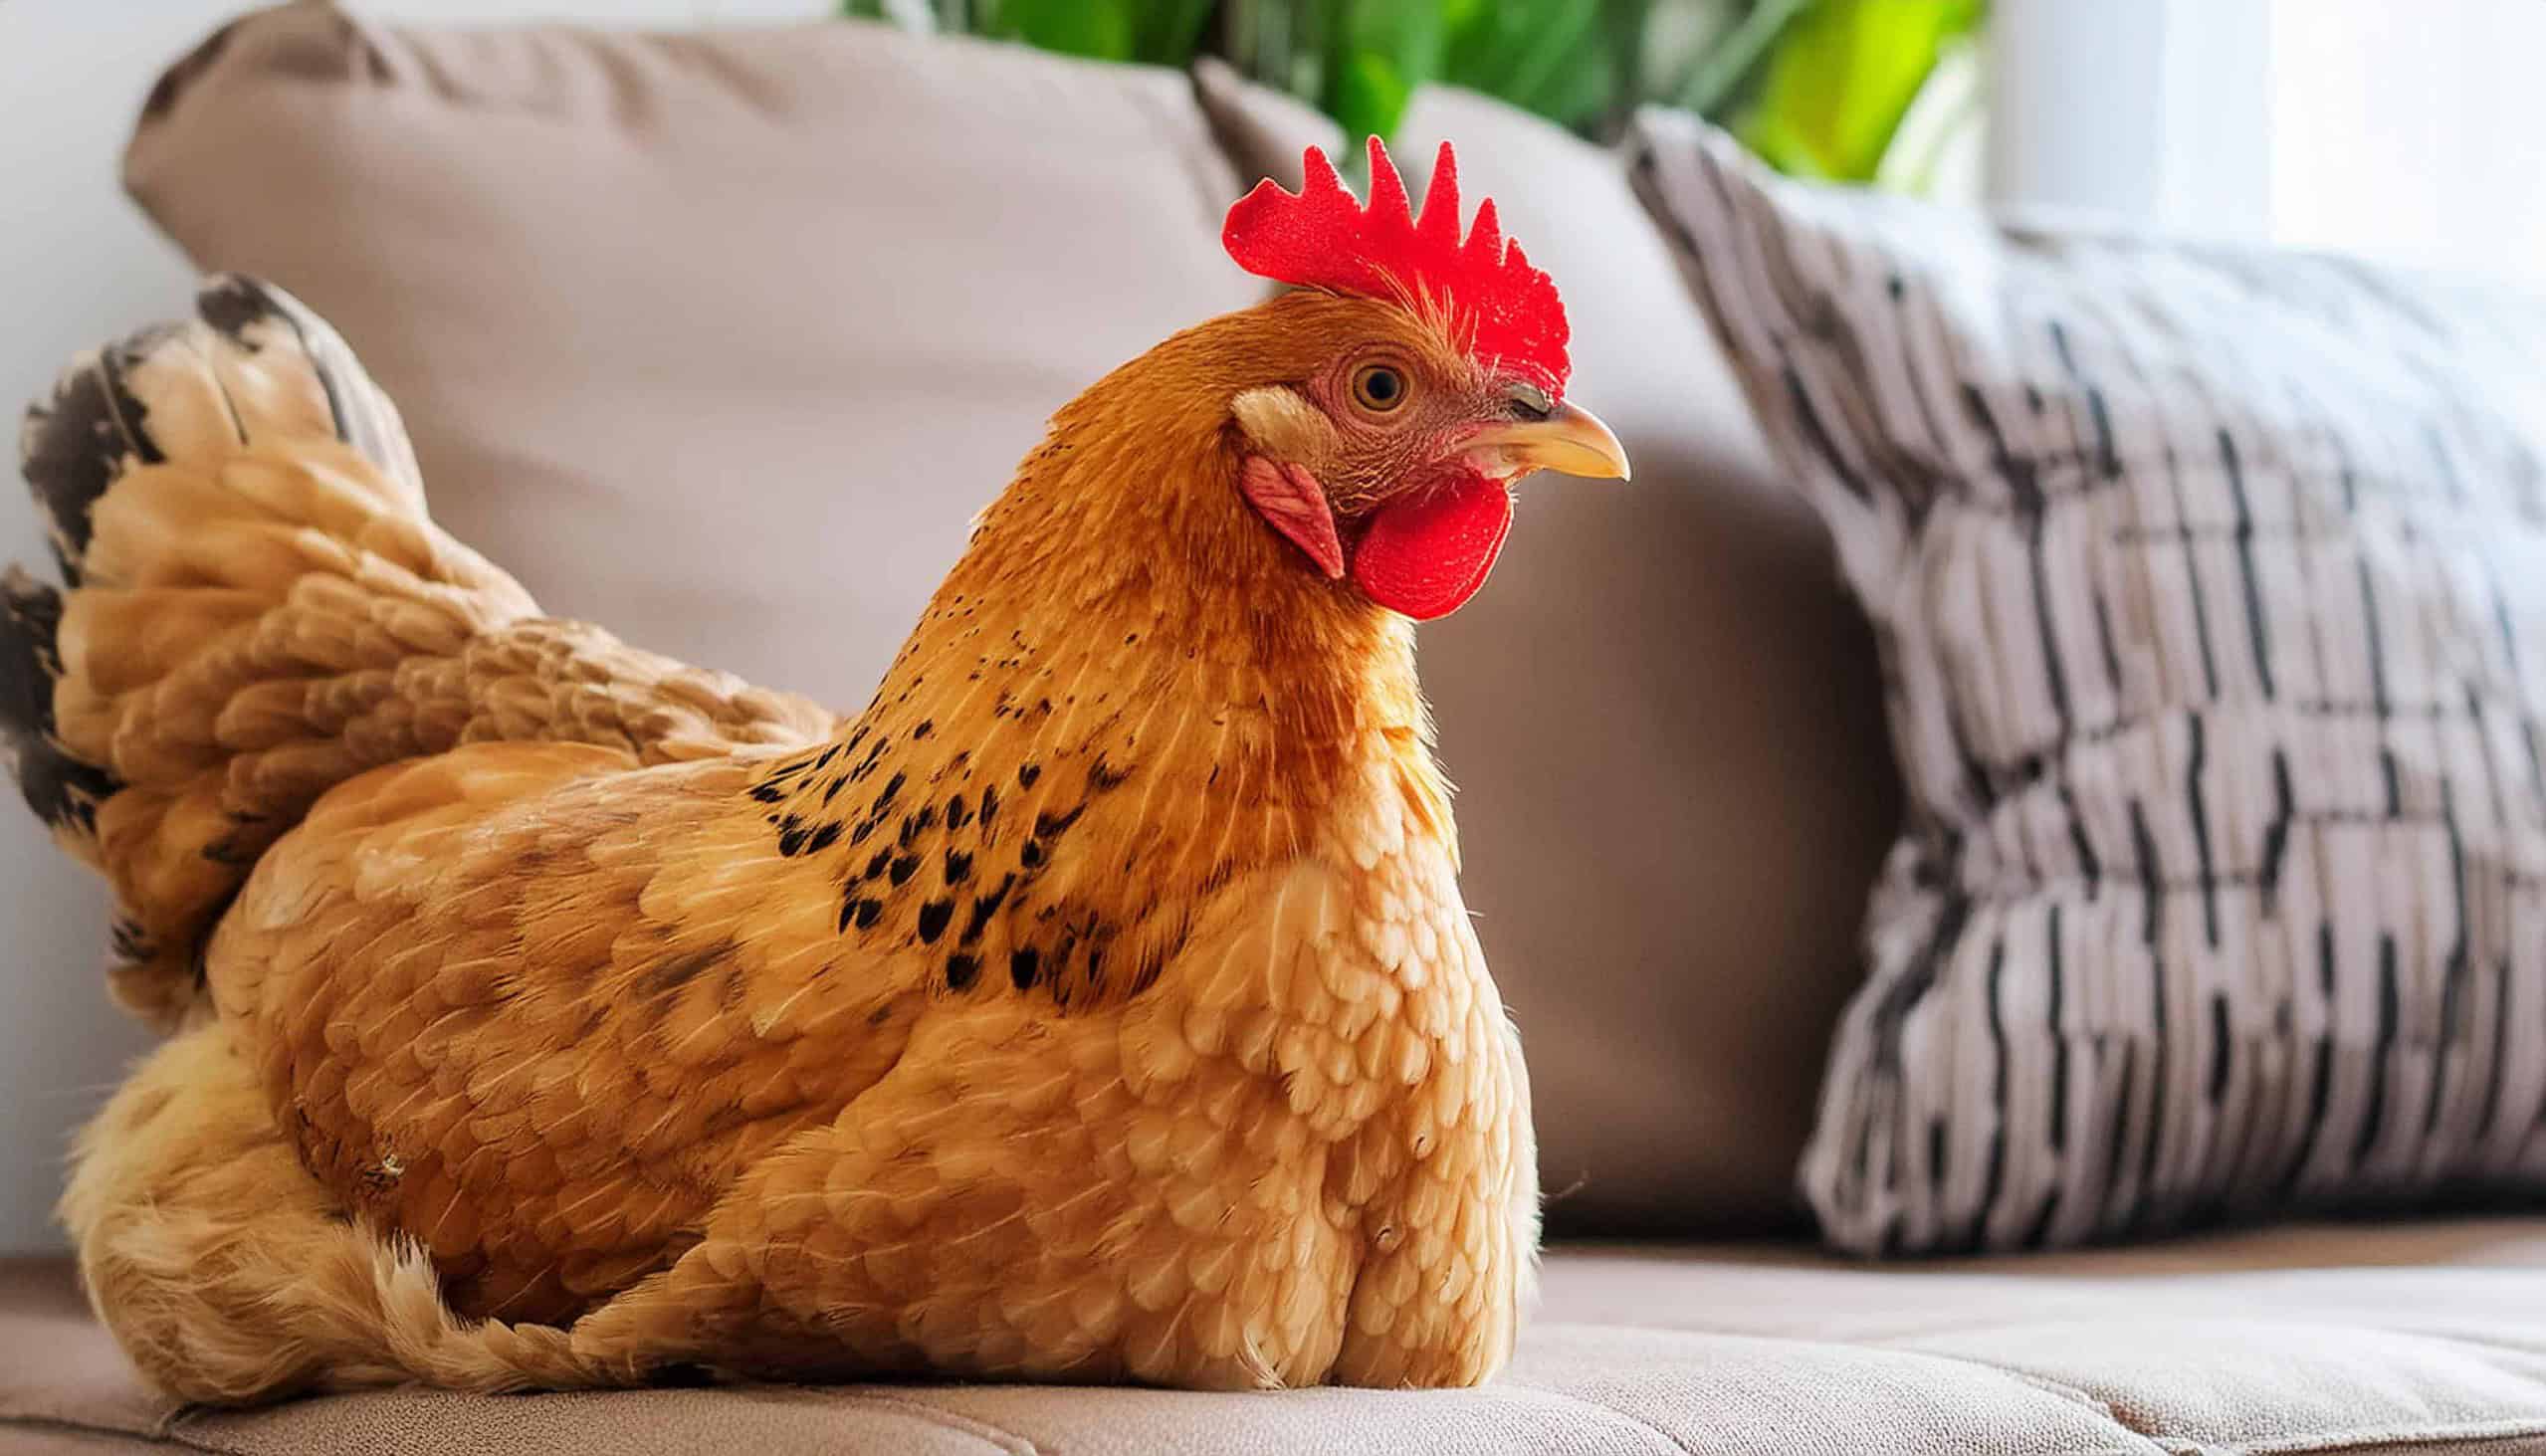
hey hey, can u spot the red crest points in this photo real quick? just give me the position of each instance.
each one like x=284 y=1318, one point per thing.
x=1497 y=306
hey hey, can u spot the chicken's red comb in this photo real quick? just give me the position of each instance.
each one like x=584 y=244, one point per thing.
x=1496 y=305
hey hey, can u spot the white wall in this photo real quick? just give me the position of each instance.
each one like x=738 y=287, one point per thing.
x=2402 y=132
x=78 y=264
x=2134 y=109
x=2412 y=131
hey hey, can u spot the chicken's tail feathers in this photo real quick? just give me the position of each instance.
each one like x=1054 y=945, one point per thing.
x=125 y=407
x=255 y=369
x=250 y=587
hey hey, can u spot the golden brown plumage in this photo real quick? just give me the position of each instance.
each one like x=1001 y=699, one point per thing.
x=1098 y=1004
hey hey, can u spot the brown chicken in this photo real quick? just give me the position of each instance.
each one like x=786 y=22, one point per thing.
x=1098 y=1004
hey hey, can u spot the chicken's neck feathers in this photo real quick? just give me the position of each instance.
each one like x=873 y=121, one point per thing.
x=1123 y=568
x=1126 y=695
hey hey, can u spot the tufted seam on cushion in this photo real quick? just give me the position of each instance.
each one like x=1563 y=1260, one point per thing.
x=2043 y=1383
x=2133 y=1441
x=1622 y=1417
x=996 y=1438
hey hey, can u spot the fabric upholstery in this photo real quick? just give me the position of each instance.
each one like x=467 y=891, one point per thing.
x=2210 y=586
x=1663 y=717
x=2430 y=1342
x=720 y=339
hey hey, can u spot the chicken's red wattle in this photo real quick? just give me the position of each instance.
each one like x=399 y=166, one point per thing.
x=1426 y=555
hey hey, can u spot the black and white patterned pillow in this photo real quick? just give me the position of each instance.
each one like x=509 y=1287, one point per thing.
x=2211 y=591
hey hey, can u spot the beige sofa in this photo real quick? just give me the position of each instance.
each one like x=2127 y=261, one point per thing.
x=2313 y=1339
x=721 y=340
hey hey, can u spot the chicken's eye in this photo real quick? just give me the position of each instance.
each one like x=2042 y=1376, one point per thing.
x=1378 y=388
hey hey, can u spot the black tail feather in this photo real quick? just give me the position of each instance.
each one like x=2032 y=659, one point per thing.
x=63 y=791
x=78 y=442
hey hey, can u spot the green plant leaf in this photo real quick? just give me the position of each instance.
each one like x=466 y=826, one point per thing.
x=1260 y=39
x=1378 y=53
x=1816 y=86
x=1936 y=146
x=1368 y=93
x=1556 y=58
x=1735 y=57
x=1842 y=78
x=1170 y=32
x=914 y=15
x=1102 y=29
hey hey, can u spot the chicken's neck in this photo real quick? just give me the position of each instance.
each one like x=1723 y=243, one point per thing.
x=1121 y=610
x=1142 y=690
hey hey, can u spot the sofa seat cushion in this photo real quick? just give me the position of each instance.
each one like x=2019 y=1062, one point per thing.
x=2318 y=1339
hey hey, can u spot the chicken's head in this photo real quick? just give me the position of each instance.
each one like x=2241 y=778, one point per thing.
x=1422 y=374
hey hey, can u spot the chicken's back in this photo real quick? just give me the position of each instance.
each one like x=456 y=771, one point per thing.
x=535 y=1006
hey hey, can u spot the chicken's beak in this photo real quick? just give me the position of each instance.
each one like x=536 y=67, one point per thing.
x=1567 y=438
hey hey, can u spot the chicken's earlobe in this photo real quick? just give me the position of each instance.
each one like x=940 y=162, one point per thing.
x=1292 y=503
x=1280 y=422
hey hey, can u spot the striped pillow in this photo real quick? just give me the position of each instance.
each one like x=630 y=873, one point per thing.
x=2212 y=592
